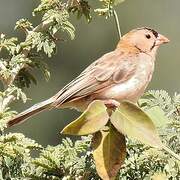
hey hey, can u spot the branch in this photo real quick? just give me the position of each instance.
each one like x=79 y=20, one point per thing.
x=117 y=23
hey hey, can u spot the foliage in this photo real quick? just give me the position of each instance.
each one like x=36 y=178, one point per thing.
x=80 y=8
x=23 y=158
x=143 y=162
x=109 y=147
x=94 y=118
x=65 y=161
x=15 y=155
x=109 y=151
x=107 y=7
x=74 y=159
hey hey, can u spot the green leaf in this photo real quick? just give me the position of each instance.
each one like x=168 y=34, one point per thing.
x=109 y=152
x=107 y=6
x=116 y=2
x=130 y=120
x=81 y=8
x=157 y=115
x=92 y=120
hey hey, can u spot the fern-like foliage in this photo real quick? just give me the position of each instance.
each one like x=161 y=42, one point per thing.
x=65 y=161
x=15 y=155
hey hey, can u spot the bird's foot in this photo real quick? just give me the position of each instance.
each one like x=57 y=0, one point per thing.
x=111 y=103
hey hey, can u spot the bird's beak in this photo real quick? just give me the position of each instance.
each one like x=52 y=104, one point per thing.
x=161 y=40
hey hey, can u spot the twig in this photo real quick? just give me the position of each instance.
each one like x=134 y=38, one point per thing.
x=117 y=23
x=176 y=156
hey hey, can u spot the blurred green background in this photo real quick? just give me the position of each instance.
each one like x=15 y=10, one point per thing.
x=93 y=40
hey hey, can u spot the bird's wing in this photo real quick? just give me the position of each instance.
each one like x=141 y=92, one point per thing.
x=110 y=69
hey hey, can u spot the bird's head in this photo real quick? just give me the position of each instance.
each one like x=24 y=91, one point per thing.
x=143 y=39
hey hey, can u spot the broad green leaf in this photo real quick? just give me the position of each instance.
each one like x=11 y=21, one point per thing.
x=157 y=115
x=130 y=120
x=109 y=152
x=92 y=120
x=135 y=123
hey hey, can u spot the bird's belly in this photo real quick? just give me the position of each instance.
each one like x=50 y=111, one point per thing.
x=130 y=90
x=133 y=88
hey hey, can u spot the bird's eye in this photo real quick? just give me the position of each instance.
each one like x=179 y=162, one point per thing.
x=148 y=36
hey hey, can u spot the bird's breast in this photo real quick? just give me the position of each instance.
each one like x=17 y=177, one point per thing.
x=134 y=87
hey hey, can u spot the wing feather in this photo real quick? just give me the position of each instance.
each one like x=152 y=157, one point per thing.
x=112 y=68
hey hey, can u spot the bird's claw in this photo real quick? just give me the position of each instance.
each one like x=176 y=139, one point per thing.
x=111 y=103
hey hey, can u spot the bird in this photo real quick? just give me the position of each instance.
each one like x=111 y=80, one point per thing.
x=122 y=74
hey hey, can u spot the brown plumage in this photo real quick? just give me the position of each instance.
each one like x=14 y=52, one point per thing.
x=122 y=74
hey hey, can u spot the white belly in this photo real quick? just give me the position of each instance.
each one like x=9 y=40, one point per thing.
x=133 y=88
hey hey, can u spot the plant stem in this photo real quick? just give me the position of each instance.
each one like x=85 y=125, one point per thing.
x=117 y=23
x=176 y=156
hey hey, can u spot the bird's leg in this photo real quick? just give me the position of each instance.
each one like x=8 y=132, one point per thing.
x=111 y=103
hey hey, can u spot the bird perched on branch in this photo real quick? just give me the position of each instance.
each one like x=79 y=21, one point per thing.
x=122 y=74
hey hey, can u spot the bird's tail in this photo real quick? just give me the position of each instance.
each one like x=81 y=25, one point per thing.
x=35 y=109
